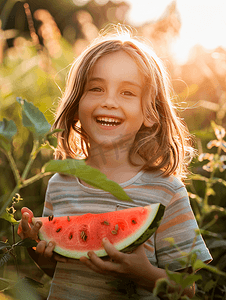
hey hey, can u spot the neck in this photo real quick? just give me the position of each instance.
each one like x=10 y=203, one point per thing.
x=114 y=164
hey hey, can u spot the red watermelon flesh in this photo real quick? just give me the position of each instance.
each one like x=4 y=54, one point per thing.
x=76 y=235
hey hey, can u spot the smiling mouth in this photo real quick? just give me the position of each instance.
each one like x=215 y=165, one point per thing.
x=105 y=121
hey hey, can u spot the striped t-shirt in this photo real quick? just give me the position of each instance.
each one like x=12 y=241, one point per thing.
x=68 y=196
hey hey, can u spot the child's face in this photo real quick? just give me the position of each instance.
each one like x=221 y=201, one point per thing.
x=110 y=110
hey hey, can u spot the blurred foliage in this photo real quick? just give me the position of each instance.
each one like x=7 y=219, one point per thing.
x=38 y=42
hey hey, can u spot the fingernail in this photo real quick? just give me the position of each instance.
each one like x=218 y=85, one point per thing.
x=50 y=244
x=37 y=225
x=105 y=239
x=25 y=215
x=89 y=254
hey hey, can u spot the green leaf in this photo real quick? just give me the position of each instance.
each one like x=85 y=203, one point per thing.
x=86 y=173
x=182 y=261
x=24 y=288
x=26 y=243
x=189 y=280
x=209 y=285
x=52 y=141
x=201 y=265
x=7 y=130
x=4 y=245
x=193 y=258
x=5 y=258
x=160 y=286
x=9 y=218
x=34 y=119
x=4 y=143
x=176 y=277
x=4 y=283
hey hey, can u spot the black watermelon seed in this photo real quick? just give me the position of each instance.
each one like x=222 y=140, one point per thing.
x=105 y=223
x=83 y=236
x=50 y=218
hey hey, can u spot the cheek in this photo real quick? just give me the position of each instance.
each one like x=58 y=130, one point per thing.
x=137 y=114
x=83 y=109
x=85 y=114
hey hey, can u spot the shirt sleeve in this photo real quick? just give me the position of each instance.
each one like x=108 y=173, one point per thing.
x=180 y=224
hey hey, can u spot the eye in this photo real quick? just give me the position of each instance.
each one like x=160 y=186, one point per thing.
x=128 y=93
x=96 y=89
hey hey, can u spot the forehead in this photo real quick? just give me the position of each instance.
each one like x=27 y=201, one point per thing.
x=117 y=65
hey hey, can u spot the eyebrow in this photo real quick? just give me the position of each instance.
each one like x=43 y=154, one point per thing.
x=124 y=82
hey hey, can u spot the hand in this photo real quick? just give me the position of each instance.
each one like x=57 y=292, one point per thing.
x=46 y=251
x=136 y=264
x=27 y=229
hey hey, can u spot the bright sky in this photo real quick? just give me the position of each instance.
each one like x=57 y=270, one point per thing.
x=203 y=21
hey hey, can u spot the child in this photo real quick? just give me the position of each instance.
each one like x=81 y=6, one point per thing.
x=117 y=113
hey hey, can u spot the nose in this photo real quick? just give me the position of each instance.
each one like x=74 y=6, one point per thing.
x=110 y=101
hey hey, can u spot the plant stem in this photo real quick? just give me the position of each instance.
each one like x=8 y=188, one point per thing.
x=213 y=292
x=13 y=166
x=211 y=223
x=206 y=198
x=14 y=255
x=34 y=178
x=31 y=159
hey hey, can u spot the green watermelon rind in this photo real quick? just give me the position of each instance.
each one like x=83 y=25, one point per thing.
x=149 y=232
x=126 y=245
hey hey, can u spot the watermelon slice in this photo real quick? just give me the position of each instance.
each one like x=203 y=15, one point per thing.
x=76 y=235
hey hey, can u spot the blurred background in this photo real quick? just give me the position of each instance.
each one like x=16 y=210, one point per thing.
x=40 y=39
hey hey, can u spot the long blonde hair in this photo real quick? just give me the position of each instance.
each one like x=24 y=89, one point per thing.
x=166 y=145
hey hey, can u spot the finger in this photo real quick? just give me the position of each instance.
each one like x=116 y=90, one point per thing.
x=49 y=250
x=112 y=251
x=35 y=229
x=24 y=222
x=30 y=213
x=24 y=228
x=90 y=265
x=101 y=265
x=40 y=248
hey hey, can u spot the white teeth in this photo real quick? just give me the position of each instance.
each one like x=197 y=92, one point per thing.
x=105 y=119
x=108 y=121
